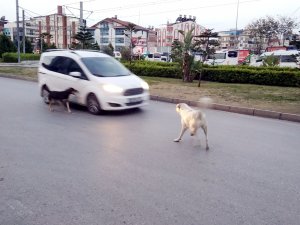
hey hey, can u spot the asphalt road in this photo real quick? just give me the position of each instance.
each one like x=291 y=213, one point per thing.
x=124 y=168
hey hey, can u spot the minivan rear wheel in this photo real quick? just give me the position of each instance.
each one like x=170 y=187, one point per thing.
x=93 y=105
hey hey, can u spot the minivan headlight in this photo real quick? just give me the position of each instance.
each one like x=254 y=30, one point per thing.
x=112 y=88
x=145 y=85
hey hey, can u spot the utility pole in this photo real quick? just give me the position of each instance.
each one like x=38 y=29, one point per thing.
x=236 y=22
x=18 y=29
x=41 y=39
x=23 y=15
x=81 y=14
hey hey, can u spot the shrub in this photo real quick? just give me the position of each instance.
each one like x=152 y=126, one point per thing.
x=225 y=74
x=13 y=57
x=251 y=76
x=155 y=69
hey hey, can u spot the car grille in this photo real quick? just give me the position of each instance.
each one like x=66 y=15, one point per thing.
x=133 y=91
x=134 y=103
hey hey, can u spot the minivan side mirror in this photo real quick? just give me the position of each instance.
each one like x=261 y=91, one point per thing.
x=75 y=74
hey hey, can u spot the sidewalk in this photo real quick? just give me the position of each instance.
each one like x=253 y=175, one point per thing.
x=28 y=63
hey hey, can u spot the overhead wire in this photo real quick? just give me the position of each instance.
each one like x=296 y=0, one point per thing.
x=200 y=7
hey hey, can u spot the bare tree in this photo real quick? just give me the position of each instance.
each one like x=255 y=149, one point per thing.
x=286 y=26
x=267 y=28
x=261 y=30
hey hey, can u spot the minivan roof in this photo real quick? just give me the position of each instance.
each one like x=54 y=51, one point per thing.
x=281 y=52
x=81 y=53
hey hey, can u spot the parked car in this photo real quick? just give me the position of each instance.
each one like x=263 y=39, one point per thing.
x=117 y=55
x=102 y=82
x=153 y=57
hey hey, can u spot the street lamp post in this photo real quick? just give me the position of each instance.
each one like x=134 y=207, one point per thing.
x=18 y=29
x=236 y=22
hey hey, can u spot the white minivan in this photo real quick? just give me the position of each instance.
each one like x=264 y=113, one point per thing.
x=290 y=58
x=102 y=82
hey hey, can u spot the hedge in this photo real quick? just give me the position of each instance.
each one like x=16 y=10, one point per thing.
x=254 y=67
x=252 y=76
x=224 y=74
x=154 y=69
x=11 y=57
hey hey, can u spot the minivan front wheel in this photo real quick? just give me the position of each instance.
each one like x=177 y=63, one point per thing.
x=93 y=105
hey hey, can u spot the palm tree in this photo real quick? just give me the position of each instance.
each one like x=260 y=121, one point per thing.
x=131 y=27
x=187 y=58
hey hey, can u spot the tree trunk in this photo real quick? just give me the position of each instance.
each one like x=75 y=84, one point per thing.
x=200 y=76
x=186 y=68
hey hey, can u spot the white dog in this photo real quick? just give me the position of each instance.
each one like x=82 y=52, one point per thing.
x=191 y=119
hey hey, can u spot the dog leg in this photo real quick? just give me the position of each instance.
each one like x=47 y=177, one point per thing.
x=68 y=107
x=183 y=129
x=206 y=138
x=50 y=105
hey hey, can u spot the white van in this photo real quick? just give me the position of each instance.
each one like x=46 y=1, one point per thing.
x=102 y=82
x=153 y=57
x=228 y=57
x=289 y=58
x=223 y=57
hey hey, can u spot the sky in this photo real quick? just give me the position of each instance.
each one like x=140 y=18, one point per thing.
x=219 y=15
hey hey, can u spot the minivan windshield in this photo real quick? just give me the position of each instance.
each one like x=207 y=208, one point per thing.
x=105 y=67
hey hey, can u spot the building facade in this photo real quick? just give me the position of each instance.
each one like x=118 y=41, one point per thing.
x=170 y=32
x=115 y=32
x=61 y=28
x=30 y=31
x=3 y=21
x=241 y=39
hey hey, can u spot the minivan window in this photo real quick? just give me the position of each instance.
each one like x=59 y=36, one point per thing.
x=217 y=56
x=56 y=64
x=288 y=58
x=105 y=67
x=232 y=54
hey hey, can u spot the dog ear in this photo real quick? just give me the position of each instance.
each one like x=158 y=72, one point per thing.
x=178 y=106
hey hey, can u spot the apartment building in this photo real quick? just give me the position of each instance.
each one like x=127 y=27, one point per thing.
x=3 y=21
x=167 y=33
x=114 y=31
x=61 y=28
x=30 y=31
x=241 y=39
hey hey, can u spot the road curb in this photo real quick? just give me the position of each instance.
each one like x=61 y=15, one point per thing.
x=227 y=108
x=234 y=109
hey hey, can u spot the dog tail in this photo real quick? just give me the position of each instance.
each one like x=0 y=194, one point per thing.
x=205 y=102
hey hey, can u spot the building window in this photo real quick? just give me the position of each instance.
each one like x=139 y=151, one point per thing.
x=104 y=31
x=119 y=31
x=103 y=40
x=119 y=40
